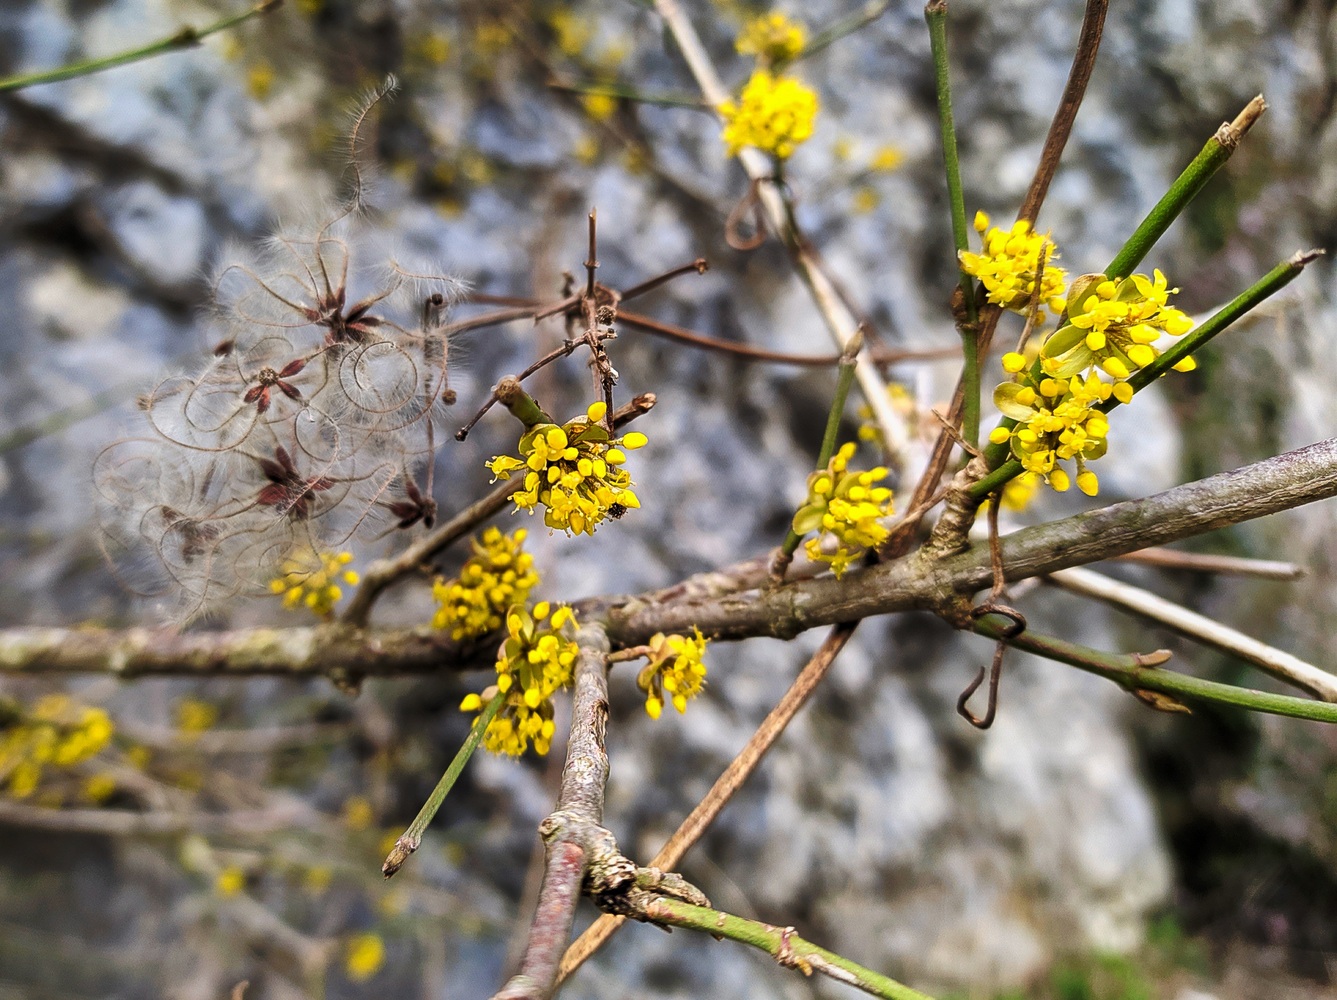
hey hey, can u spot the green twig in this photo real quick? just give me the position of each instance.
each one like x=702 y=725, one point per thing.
x=849 y=360
x=1213 y=155
x=183 y=39
x=781 y=943
x=628 y=93
x=936 y=15
x=1211 y=158
x=1261 y=290
x=1137 y=672
x=845 y=26
x=412 y=837
x=521 y=404
x=1264 y=288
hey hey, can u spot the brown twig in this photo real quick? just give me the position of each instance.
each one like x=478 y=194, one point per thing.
x=1060 y=128
x=123 y=823
x=838 y=319
x=494 y=318
x=995 y=606
x=739 y=770
x=1202 y=562
x=700 y=266
x=556 y=354
x=1083 y=61
x=881 y=355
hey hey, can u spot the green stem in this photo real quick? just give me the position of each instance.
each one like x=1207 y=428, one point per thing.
x=1132 y=672
x=849 y=360
x=846 y=26
x=185 y=38
x=995 y=479
x=781 y=943
x=1208 y=161
x=412 y=837
x=520 y=403
x=628 y=93
x=936 y=15
x=1261 y=290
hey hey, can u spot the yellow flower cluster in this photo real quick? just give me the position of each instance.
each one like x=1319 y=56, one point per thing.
x=575 y=471
x=846 y=506
x=1056 y=421
x=675 y=669
x=312 y=579
x=534 y=663
x=772 y=38
x=1113 y=324
x=56 y=733
x=499 y=574
x=1108 y=325
x=774 y=114
x=1008 y=265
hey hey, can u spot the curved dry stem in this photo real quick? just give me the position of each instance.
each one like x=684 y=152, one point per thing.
x=1280 y=664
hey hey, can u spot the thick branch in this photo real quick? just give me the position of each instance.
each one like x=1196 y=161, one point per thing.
x=327 y=651
x=740 y=768
x=124 y=823
x=912 y=583
x=1276 y=484
x=572 y=828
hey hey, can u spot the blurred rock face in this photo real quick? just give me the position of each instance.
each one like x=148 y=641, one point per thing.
x=881 y=825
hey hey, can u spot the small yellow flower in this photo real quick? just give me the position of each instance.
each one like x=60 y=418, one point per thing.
x=260 y=80
x=499 y=574
x=358 y=813
x=571 y=31
x=194 y=716
x=586 y=149
x=675 y=670
x=432 y=47
x=534 y=663
x=865 y=200
x=318 y=879
x=490 y=38
x=600 y=107
x=886 y=159
x=772 y=38
x=1008 y=264
x=312 y=579
x=364 y=954
x=1114 y=324
x=230 y=881
x=1057 y=420
x=846 y=507
x=98 y=788
x=24 y=778
x=1020 y=490
x=774 y=113
x=574 y=471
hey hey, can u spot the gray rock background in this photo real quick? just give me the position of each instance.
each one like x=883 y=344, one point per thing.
x=881 y=825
